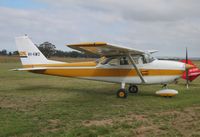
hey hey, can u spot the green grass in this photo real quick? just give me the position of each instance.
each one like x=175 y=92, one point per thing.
x=38 y=105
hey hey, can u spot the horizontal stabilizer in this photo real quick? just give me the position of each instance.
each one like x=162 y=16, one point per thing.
x=28 y=69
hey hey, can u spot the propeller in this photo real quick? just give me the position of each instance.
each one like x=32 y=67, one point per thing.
x=187 y=77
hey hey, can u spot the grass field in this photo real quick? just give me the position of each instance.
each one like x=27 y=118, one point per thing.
x=39 y=105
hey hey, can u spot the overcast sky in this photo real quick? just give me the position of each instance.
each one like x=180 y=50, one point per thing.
x=166 y=25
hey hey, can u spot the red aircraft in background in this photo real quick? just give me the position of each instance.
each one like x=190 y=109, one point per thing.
x=193 y=73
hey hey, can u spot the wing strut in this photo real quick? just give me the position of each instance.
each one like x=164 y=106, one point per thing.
x=136 y=68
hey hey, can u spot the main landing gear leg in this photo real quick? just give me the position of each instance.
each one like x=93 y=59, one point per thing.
x=121 y=93
x=133 y=89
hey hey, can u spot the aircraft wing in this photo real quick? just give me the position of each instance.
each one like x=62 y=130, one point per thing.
x=104 y=49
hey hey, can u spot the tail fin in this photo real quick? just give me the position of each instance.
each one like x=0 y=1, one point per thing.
x=30 y=54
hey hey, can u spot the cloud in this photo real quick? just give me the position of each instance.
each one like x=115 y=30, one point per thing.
x=166 y=25
x=141 y=10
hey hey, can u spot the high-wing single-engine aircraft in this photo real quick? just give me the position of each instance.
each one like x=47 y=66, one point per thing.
x=117 y=64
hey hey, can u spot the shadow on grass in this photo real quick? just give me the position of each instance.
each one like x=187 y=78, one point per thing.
x=146 y=93
x=76 y=89
x=190 y=84
x=50 y=88
x=104 y=90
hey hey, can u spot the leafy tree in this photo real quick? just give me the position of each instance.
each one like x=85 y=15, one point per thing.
x=60 y=53
x=3 y=52
x=47 y=48
x=15 y=53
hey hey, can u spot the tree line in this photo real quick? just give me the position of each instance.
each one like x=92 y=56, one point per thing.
x=49 y=50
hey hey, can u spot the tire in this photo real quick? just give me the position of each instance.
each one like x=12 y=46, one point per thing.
x=122 y=93
x=133 y=89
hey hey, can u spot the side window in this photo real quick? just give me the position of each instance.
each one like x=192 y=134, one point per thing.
x=135 y=58
x=141 y=60
x=124 y=61
x=114 y=62
x=138 y=59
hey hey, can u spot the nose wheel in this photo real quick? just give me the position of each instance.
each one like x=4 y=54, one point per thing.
x=133 y=89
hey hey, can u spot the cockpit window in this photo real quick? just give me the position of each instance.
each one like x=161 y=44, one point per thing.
x=148 y=58
x=116 y=61
x=138 y=59
x=105 y=61
x=143 y=59
x=124 y=60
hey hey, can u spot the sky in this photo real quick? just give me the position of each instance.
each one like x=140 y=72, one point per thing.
x=165 y=25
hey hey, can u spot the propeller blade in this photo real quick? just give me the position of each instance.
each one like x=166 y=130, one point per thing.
x=186 y=56
x=187 y=77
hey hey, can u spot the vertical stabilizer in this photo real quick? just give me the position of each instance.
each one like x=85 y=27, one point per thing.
x=30 y=54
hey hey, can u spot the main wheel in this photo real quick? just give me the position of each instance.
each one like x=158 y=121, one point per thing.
x=133 y=89
x=121 y=93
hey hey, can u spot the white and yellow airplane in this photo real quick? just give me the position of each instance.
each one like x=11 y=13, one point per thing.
x=117 y=64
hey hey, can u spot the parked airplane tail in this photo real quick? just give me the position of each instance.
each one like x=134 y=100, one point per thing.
x=30 y=54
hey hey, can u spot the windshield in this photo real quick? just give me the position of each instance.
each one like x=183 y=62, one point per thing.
x=143 y=59
x=148 y=58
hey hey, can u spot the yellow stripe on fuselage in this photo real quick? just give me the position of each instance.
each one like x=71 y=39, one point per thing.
x=103 y=72
x=76 y=64
x=88 y=69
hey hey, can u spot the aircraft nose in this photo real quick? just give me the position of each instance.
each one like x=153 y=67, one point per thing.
x=188 y=66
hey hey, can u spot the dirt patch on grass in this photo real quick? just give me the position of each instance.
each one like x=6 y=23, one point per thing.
x=143 y=131
x=136 y=117
x=53 y=125
x=187 y=120
x=98 y=122
x=128 y=119
x=183 y=121
x=179 y=122
x=162 y=123
x=22 y=104
x=138 y=125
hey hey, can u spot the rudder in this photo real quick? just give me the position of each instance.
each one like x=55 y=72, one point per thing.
x=29 y=53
